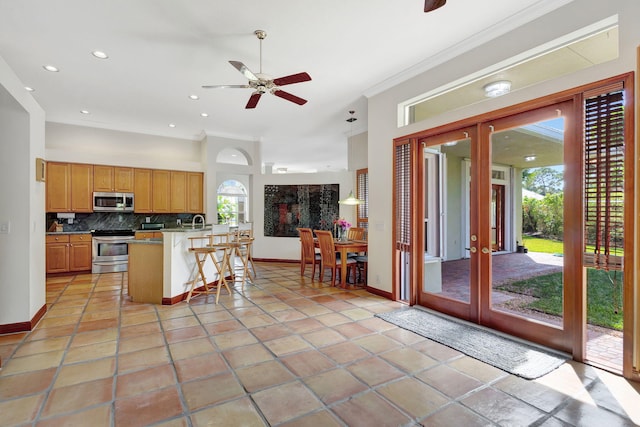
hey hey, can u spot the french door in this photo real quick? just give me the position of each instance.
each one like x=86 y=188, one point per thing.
x=517 y=218
x=473 y=207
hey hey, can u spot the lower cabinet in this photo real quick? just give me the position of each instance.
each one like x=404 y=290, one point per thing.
x=140 y=235
x=68 y=253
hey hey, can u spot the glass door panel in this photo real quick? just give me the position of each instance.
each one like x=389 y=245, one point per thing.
x=447 y=264
x=527 y=271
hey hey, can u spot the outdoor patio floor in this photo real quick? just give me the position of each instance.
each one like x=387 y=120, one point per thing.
x=604 y=346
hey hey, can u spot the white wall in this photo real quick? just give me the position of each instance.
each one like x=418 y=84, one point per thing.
x=22 y=250
x=357 y=148
x=81 y=144
x=382 y=107
x=288 y=248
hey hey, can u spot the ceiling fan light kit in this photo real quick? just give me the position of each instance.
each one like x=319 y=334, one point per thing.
x=262 y=83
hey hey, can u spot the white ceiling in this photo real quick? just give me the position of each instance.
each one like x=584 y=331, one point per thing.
x=162 y=51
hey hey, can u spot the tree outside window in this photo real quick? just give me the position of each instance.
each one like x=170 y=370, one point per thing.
x=232 y=203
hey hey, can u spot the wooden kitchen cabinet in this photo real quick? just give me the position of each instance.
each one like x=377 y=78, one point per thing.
x=161 y=191
x=79 y=252
x=142 y=179
x=81 y=187
x=195 y=193
x=58 y=187
x=113 y=179
x=141 y=235
x=69 y=187
x=57 y=254
x=68 y=253
x=178 y=199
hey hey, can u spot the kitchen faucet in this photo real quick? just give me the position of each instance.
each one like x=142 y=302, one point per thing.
x=193 y=221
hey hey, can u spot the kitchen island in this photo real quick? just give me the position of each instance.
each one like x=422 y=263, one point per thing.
x=161 y=270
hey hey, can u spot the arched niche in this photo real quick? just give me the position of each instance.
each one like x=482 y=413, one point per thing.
x=233 y=156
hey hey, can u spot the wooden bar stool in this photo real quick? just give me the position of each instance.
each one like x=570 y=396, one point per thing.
x=243 y=239
x=218 y=253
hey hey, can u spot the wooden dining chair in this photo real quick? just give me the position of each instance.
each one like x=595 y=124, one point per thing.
x=308 y=254
x=355 y=233
x=362 y=262
x=329 y=257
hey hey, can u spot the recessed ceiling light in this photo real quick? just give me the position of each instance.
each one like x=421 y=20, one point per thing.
x=194 y=97
x=50 y=68
x=29 y=89
x=204 y=114
x=99 y=54
x=85 y=112
x=172 y=125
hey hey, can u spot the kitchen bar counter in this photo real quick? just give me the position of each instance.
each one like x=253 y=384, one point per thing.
x=145 y=271
x=161 y=270
x=180 y=264
x=187 y=229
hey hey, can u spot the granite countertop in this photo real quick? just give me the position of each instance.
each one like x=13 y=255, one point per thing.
x=59 y=233
x=152 y=241
x=187 y=229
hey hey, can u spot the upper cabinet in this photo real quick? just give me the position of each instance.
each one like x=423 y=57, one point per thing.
x=81 y=188
x=142 y=190
x=161 y=191
x=69 y=187
x=58 y=185
x=178 y=191
x=195 y=193
x=113 y=178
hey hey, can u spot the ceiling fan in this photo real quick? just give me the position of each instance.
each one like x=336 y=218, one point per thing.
x=262 y=83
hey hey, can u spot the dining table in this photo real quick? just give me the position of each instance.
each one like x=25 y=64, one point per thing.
x=344 y=247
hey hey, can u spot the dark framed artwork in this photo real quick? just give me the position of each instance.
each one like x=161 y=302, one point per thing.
x=287 y=207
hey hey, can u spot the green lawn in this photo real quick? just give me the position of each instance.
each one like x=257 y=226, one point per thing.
x=602 y=296
x=537 y=244
x=547 y=246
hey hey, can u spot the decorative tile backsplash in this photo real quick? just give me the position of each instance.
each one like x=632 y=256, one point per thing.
x=115 y=220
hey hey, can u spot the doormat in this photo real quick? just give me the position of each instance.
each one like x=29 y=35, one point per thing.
x=517 y=358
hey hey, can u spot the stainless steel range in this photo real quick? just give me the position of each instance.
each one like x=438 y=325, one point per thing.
x=110 y=250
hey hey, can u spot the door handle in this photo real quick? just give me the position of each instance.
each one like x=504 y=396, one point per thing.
x=473 y=250
x=485 y=251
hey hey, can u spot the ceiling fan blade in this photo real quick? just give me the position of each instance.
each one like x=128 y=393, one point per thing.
x=289 y=97
x=225 y=86
x=430 y=5
x=244 y=70
x=293 y=78
x=253 y=100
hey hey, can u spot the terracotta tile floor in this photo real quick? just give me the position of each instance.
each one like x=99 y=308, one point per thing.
x=284 y=351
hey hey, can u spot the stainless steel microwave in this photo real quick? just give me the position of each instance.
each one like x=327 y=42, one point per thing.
x=112 y=202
